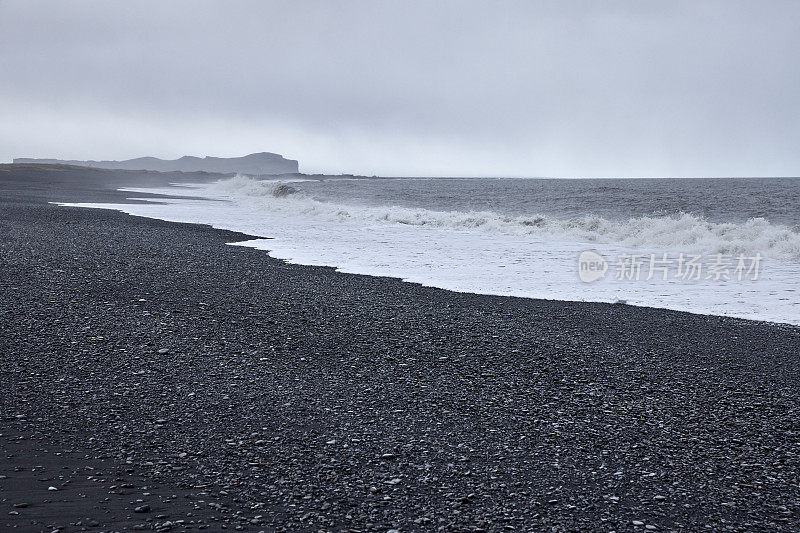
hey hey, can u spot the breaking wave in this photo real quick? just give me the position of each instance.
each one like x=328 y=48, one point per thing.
x=249 y=187
x=682 y=232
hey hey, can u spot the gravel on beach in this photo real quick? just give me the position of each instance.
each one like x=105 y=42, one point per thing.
x=153 y=377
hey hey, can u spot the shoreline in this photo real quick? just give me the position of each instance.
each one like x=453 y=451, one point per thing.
x=250 y=238
x=314 y=399
x=784 y=317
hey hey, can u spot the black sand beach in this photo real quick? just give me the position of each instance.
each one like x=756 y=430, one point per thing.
x=160 y=379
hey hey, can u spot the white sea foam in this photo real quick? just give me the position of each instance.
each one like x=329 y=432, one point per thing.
x=489 y=253
x=685 y=232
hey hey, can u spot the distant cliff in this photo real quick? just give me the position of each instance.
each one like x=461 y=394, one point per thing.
x=261 y=163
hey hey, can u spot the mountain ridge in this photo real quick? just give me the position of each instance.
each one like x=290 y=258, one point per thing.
x=257 y=163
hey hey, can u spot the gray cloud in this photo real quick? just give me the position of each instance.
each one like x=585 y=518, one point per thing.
x=453 y=88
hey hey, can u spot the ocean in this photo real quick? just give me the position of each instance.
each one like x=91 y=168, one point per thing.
x=715 y=246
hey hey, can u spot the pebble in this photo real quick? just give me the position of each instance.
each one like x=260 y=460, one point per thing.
x=521 y=364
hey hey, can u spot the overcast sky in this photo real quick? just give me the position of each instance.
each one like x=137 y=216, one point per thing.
x=493 y=88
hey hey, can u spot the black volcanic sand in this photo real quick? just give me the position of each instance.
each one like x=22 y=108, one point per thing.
x=145 y=364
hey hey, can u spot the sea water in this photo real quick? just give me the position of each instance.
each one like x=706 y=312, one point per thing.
x=712 y=246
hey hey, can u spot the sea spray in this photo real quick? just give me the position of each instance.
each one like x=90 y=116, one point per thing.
x=682 y=231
